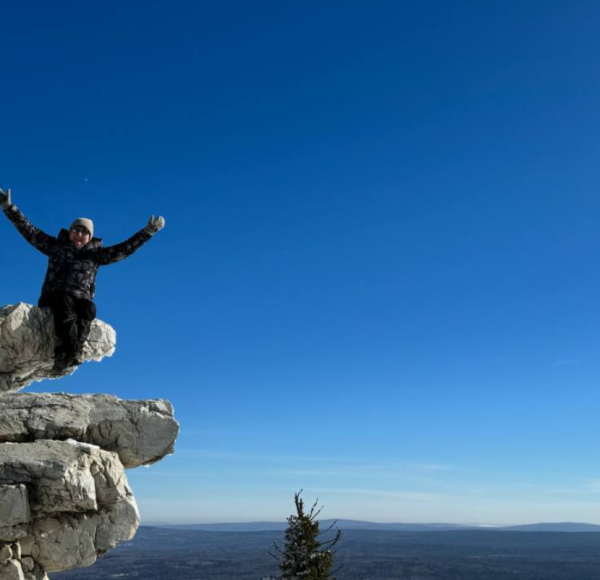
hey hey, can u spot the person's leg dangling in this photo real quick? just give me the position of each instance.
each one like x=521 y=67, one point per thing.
x=86 y=312
x=65 y=326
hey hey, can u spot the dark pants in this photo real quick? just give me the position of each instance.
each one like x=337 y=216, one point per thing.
x=72 y=320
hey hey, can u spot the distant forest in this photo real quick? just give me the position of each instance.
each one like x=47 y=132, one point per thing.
x=161 y=553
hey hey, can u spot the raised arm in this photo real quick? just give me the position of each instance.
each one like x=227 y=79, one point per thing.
x=36 y=237
x=123 y=250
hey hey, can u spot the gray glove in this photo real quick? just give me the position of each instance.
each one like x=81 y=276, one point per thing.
x=5 y=199
x=154 y=225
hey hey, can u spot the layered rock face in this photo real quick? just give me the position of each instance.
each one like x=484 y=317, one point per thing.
x=140 y=432
x=74 y=502
x=64 y=496
x=27 y=342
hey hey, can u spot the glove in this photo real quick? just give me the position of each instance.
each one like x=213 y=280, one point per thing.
x=154 y=225
x=5 y=200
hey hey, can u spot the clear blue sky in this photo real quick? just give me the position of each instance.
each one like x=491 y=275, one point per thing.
x=378 y=280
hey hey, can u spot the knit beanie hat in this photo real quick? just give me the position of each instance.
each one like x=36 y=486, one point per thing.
x=86 y=223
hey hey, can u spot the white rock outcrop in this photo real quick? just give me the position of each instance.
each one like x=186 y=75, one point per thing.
x=64 y=496
x=140 y=432
x=76 y=503
x=27 y=341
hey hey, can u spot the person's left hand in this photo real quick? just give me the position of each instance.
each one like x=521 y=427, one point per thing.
x=154 y=225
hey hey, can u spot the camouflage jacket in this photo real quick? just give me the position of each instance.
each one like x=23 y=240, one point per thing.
x=72 y=269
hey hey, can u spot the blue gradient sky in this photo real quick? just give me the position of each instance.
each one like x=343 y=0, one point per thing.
x=378 y=280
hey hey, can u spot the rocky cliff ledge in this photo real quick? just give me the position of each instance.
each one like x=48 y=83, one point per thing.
x=64 y=496
x=27 y=342
x=140 y=432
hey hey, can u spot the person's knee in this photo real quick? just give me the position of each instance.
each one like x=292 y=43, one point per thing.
x=86 y=310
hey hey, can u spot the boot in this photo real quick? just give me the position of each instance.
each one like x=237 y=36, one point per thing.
x=61 y=362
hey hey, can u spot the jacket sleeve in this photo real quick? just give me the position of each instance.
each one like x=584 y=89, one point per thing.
x=123 y=250
x=36 y=237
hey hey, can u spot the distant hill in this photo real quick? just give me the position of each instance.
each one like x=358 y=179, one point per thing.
x=553 y=527
x=224 y=527
x=396 y=527
x=341 y=524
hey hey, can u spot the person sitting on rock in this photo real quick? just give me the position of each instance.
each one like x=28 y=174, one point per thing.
x=70 y=283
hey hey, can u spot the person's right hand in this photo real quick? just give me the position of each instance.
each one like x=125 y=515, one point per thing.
x=5 y=199
x=154 y=225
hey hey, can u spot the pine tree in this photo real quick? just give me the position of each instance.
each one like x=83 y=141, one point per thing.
x=304 y=556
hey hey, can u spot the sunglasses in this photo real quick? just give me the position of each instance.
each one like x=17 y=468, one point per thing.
x=80 y=230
